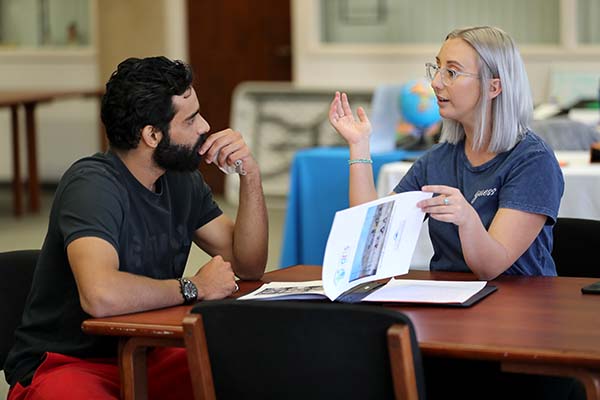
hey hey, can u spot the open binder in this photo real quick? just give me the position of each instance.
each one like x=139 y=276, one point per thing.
x=367 y=245
x=313 y=290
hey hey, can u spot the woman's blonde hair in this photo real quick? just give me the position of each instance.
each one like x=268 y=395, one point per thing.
x=512 y=108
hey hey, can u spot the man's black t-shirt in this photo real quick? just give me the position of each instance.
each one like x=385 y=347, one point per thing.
x=151 y=232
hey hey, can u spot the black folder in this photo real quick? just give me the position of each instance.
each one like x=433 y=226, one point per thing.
x=356 y=294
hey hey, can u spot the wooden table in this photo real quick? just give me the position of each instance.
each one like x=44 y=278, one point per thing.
x=29 y=100
x=538 y=325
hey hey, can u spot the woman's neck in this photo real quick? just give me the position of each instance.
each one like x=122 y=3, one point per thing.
x=481 y=155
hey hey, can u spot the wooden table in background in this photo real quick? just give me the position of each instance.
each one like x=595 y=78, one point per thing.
x=537 y=325
x=29 y=100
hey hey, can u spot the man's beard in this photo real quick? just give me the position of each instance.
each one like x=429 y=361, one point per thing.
x=178 y=157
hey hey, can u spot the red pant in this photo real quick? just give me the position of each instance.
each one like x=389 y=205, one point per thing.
x=63 y=377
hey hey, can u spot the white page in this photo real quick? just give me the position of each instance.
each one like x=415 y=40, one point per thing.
x=287 y=291
x=372 y=241
x=420 y=291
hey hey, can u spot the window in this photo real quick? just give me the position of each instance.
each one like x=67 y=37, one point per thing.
x=409 y=22
x=588 y=16
x=44 y=23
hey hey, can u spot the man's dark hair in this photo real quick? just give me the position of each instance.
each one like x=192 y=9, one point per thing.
x=139 y=93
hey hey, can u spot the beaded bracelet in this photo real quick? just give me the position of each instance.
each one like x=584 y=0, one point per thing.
x=360 y=161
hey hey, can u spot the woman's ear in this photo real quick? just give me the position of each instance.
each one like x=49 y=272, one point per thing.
x=495 y=87
x=151 y=136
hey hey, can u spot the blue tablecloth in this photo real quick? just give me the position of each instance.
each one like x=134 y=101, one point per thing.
x=319 y=188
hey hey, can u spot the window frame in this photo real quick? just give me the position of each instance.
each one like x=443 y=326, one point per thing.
x=568 y=41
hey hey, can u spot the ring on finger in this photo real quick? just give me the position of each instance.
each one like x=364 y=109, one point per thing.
x=236 y=288
x=446 y=201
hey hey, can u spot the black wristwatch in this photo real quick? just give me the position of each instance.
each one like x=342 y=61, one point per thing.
x=189 y=291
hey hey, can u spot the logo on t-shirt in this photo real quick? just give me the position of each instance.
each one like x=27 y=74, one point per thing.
x=483 y=193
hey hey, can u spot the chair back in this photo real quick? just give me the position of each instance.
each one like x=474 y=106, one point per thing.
x=16 y=275
x=565 y=134
x=307 y=350
x=575 y=244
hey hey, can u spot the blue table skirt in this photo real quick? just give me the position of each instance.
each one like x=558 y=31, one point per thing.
x=318 y=189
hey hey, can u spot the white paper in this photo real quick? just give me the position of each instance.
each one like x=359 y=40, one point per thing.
x=546 y=110
x=372 y=241
x=419 y=291
x=287 y=291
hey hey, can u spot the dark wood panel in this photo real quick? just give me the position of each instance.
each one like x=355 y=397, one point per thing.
x=233 y=41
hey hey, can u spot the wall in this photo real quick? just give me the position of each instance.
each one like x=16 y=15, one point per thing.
x=133 y=28
x=68 y=130
x=140 y=28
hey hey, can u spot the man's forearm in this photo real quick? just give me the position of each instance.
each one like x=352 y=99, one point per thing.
x=104 y=290
x=123 y=293
x=250 y=238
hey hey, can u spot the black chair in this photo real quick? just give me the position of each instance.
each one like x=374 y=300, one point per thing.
x=16 y=274
x=575 y=244
x=291 y=350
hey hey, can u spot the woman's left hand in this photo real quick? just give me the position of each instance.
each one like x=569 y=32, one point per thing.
x=449 y=206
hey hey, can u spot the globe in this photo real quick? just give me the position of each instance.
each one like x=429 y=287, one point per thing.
x=418 y=104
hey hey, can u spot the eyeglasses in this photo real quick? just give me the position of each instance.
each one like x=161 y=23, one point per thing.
x=448 y=75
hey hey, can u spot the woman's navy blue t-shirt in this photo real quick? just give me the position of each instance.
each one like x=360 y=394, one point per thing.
x=525 y=178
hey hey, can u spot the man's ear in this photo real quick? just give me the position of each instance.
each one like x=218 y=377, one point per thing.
x=151 y=136
x=495 y=87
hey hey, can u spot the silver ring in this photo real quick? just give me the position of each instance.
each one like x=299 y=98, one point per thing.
x=236 y=288
x=446 y=201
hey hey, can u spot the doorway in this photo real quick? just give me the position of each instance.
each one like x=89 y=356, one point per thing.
x=231 y=41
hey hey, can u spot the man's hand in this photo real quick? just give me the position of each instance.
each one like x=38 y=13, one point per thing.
x=215 y=280
x=226 y=147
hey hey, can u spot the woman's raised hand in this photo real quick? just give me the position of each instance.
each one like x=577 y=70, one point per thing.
x=341 y=118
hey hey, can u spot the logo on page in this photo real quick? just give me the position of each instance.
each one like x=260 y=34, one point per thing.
x=340 y=274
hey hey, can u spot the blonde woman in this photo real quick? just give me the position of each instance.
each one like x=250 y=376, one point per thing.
x=497 y=185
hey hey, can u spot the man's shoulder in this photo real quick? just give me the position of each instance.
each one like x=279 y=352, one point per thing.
x=92 y=189
x=97 y=169
x=96 y=163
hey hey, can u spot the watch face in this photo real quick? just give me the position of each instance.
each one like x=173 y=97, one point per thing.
x=190 y=292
